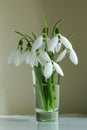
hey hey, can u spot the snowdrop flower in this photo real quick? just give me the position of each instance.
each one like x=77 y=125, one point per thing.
x=58 y=46
x=65 y=42
x=15 y=57
x=61 y=56
x=27 y=57
x=58 y=69
x=41 y=60
x=44 y=55
x=24 y=55
x=73 y=56
x=33 y=58
x=52 y=43
x=37 y=44
x=48 y=70
x=50 y=67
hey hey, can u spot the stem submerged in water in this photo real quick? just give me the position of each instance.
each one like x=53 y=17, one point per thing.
x=46 y=90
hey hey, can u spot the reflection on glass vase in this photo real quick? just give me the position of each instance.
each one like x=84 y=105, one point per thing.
x=46 y=93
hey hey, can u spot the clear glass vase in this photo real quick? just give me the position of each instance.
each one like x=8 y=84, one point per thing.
x=46 y=93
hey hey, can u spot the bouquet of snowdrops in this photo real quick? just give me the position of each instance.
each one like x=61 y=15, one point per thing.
x=44 y=55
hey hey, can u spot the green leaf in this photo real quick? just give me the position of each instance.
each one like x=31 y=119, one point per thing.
x=29 y=37
x=56 y=26
x=35 y=37
x=46 y=28
x=71 y=35
x=46 y=22
x=23 y=35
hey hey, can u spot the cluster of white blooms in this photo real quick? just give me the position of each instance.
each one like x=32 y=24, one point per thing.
x=39 y=53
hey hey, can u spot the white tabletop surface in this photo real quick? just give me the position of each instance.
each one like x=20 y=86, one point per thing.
x=66 y=122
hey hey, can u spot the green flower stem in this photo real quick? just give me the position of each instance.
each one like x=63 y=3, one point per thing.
x=50 y=86
x=39 y=81
x=35 y=37
x=54 y=89
x=22 y=36
x=46 y=90
x=46 y=24
x=42 y=98
x=55 y=26
x=49 y=90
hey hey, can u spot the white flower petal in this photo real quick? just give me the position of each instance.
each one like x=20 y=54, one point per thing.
x=25 y=55
x=28 y=56
x=58 y=47
x=58 y=69
x=73 y=57
x=44 y=55
x=41 y=60
x=18 y=58
x=65 y=42
x=10 y=58
x=52 y=43
x=48 y=70
x=15 y=57
x=62 y=55
x=42 y=46
x=37 y=44
x=33 y=60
